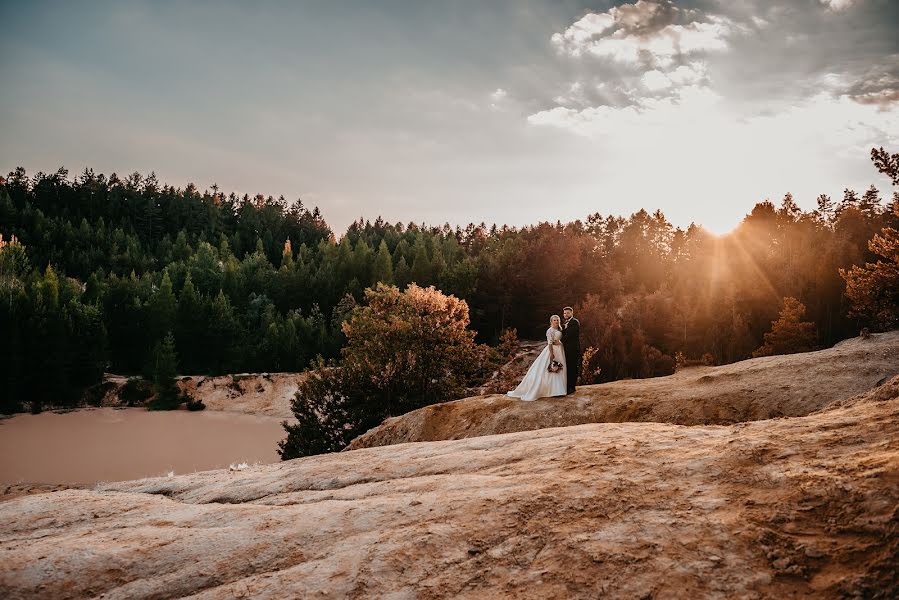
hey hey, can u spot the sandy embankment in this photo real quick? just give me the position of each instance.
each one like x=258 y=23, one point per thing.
x=265 y=394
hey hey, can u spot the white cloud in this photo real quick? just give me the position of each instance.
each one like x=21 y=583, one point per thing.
x=583 y=30
x=645 y=32
x=690 y=74
x=687 y=104
x=575 y=95
x=655 y=80
x=497 y=98
x=837 y=5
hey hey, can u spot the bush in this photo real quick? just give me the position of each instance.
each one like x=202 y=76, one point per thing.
x=404 y=350
x=508 y=342
x=135 y=391
x=191 y=403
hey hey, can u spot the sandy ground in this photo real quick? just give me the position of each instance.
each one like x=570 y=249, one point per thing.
x=804 y=507
x=106 y=444
x=760 y=388
x=267 y=394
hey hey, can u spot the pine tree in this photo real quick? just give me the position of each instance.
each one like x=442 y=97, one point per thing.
x=189 y=326
x=223 y=334
x=362 y=261
x=789 y=333
x=825 y=208
x=402 y=275
x=850 y=199
x=164 y=370
x=421 y=265
x=870 y=202
x=874 y=288
x=382 y=269
x=161 y=309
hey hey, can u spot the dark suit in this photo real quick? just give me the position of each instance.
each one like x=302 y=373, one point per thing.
x=571 y=342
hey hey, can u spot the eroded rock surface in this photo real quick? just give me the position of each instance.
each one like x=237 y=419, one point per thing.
x=789 y=507
x=760 y=388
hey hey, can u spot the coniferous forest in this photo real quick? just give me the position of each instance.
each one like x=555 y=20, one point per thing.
x=96 y=272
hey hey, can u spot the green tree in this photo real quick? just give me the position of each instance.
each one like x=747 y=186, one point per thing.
x=190 y=328
x=382 y=270
x=161 y=309
x=402 y=275
x=421 y=264
x=164 y=368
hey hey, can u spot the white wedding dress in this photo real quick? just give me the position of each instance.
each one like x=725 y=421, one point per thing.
x=539 y=382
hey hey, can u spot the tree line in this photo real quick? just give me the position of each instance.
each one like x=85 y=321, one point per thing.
x=96 y=272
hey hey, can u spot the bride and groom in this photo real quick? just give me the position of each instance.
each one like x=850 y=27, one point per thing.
x=555 y=371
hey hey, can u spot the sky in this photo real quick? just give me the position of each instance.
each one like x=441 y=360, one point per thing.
x=509 y=111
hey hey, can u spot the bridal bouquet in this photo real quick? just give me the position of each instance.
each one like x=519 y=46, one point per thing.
x=554 y=366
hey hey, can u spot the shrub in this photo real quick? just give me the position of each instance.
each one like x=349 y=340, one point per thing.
x=135 y=391
x=508 y=342
x=404 y=350
x=192 y=404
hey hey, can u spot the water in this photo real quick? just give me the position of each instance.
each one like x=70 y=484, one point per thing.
x=106 y=444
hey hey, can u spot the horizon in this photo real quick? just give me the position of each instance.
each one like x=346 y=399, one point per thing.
x=515 y=114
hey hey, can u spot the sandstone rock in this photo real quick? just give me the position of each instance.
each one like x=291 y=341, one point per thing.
x=760 y=388
x=613 y=510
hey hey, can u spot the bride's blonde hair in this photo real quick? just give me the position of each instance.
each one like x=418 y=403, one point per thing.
x=554 y=317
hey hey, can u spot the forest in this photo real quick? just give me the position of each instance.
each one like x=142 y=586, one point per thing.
x=96 y=273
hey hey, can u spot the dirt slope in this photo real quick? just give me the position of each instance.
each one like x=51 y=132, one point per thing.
x=760 y=388
x=796 y=507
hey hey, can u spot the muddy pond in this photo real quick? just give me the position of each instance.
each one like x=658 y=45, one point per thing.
x=106 y=444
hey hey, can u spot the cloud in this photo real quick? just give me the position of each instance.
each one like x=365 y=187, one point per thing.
x=698 y=130
x=650 y=33
x=690 y=74
x=497 y=98
x=685 y=105
x=879 y=86
x=837 y=5
x=655 y=80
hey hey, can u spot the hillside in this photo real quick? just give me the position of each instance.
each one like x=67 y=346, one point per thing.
x=759 y=388
x=793 y=507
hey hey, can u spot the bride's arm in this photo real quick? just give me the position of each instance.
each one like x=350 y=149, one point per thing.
x=550 y=342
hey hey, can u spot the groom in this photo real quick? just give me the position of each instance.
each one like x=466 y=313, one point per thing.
x=571 y=342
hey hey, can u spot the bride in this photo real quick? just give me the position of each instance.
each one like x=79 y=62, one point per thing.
x=540 y=382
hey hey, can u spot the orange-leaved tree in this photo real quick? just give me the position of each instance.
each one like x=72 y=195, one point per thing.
x=789 y=333
x=404 y=350
x=873 y=289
